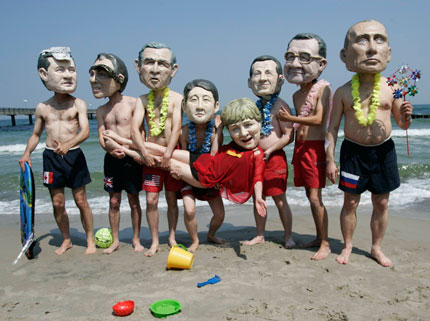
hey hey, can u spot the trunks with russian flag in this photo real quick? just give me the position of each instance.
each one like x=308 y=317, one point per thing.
x=372 y=168
x=68 y=170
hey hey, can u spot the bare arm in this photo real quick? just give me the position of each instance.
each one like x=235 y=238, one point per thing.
x=83 y=134
x=136 y=135
x=183 y=138
x=331 y=136
x=316 y=118
x=287 y=135
x=402 y=112
x=176 y=131
x=34 y=139
x=219 y=137
x=115 y=152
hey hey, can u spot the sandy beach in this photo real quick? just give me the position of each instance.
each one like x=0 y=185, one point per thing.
x=263 y=282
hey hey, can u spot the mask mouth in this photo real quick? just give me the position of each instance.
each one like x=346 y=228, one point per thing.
x=59 y=53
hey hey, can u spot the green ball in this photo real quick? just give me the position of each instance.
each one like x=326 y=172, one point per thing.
x=104 y=237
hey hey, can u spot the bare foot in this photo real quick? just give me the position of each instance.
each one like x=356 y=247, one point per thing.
x=313 y=243
x=91 y=248
x=322 y=253
x=193 y=247
x=289 y=243
x=380 y=257
x=112 y=248
x=172 y=242
x=343 y=257
x=255 y=240
x=137 y=246
x=216 y=240
x=67 y=244
x=152 y=250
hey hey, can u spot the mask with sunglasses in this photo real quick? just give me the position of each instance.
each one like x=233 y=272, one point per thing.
x=111 y=73
x=304 y=57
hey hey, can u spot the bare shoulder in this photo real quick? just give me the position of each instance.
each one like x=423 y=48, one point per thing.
x=130 y=100
x=278 y=104
x=143 y=99
x=79 y=103
x=176 y=97
x=344 y=91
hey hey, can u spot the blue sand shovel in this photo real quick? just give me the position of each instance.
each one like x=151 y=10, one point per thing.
x=213 y=280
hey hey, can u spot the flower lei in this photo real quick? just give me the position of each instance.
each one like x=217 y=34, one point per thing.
x=155 y=131
x=266 y=125
x=206 y=146
x=310 y=100
x=371 y=116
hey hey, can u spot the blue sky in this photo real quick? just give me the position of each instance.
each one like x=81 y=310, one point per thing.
x=215 y=40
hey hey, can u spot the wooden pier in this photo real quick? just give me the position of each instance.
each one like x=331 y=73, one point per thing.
x=12 y=112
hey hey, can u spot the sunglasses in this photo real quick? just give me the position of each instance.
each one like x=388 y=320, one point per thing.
x=304 y=57
x=111 y=73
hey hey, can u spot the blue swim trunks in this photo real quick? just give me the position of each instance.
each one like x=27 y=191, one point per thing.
x=69 y=170
x=122 y=174
x=372 y=168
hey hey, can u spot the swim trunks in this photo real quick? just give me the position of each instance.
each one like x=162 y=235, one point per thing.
x=275 y=174
x=237 y=170
x=372 y=168
x=68 y=170
x=309 y=164
x=202 y=194
x=154 y=179
x=122 y=174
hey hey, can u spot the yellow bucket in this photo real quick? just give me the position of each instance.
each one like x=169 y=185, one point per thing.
x=180 y=258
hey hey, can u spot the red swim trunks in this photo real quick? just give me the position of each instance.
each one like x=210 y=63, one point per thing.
x=276 y=174
x=309 y=163
x=153 y=179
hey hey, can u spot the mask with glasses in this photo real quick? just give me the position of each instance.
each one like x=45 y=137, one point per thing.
x=304 y=57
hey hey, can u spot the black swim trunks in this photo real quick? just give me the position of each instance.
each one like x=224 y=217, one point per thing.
x=122 y=174
x=69 y=170
x=372 y=168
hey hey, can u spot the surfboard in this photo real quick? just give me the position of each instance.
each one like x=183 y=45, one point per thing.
x=27 y=196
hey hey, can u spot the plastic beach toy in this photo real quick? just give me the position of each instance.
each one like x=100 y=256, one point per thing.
x=180 y=258
x=123 y=308
x=164 y=308
x=213 y=280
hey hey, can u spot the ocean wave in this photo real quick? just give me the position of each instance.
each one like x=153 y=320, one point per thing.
x=414 y=190
x=19 y=148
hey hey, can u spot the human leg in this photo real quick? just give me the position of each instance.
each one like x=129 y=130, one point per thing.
x=80 y=197
x=217 y=207
x=378 y=225
x=114 y=218
x=319 y=214
x=348 y=222
x=190 y=220
x=286 y=218
x=152 y=217
x=260 y=225
x=172 y=215
x=60 y=214
x=136 y=220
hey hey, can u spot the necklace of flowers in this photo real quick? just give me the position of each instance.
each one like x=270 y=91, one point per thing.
x=192 y=141
x=266 y=125
x=308 y=106
x=371 y=115
x=155 y=131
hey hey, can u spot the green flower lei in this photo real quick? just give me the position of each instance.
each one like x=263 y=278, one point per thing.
x=155 y=131
x=371 y=115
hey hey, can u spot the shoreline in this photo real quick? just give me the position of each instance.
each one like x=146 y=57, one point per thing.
x=261 y=282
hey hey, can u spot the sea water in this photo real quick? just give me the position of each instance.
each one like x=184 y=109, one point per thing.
x=414 y=170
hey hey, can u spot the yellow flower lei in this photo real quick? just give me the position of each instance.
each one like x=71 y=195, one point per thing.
x=371 y=115
x=155 y=131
